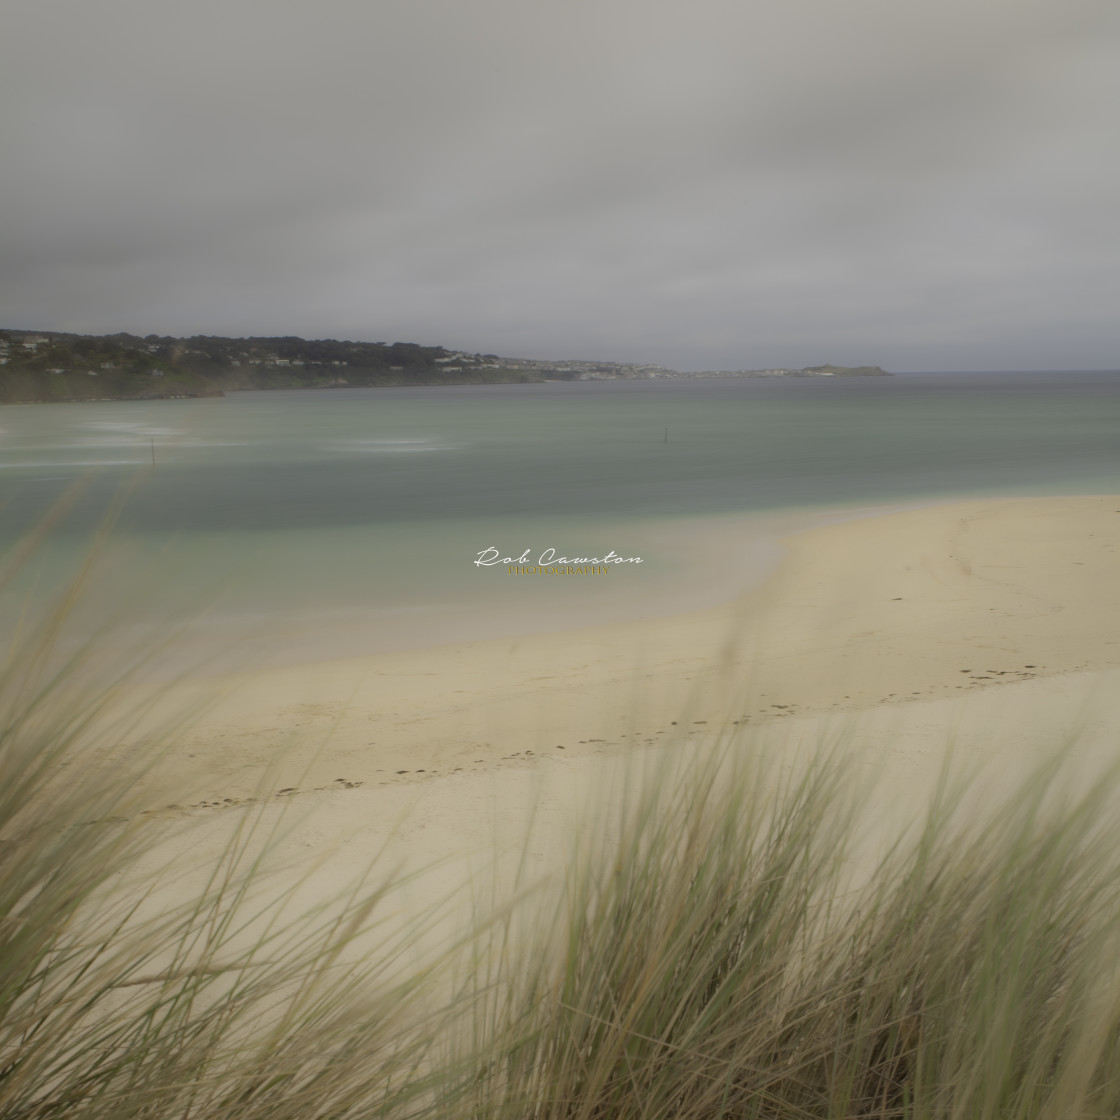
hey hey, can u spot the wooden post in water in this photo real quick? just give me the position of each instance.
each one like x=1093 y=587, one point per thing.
x=153 y=451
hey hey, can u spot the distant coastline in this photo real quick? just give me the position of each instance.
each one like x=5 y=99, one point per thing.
x=51 y=366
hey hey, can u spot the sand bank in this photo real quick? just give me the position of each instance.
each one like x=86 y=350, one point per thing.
x=931 y=604
x=990 y=626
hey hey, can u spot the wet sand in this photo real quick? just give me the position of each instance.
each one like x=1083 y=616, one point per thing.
x=928 y=604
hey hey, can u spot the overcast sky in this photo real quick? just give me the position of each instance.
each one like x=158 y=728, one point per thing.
x=920 y=184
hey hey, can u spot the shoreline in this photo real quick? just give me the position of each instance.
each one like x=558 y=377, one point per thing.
x=708 y=561
x=927 y=604
x=302 y=766
x=692 y=563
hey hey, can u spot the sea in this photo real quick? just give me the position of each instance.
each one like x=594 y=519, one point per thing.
x=268 y=528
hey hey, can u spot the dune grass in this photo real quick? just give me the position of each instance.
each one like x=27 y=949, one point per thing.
x=720 y=951
x=718 y=962
x=122 y=998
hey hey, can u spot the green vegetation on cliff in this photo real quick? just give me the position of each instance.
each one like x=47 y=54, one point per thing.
x=48 y=366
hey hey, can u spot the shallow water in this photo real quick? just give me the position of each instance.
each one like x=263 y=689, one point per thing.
x=353 y=516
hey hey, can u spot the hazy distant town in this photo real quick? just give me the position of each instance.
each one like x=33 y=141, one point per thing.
x=44 y=366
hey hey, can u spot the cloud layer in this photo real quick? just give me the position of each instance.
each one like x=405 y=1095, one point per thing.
x=711 y=184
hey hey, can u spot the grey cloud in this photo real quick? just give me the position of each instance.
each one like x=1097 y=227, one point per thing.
x=718 y=183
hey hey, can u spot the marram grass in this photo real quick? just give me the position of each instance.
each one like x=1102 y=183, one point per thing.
x=219 y=1005
x=706 y=967
x=711 y=956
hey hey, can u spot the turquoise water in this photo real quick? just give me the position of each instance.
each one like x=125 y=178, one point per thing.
x=364 y=509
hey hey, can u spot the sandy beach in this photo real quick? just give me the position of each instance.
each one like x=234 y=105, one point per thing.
x=987 y=625
x=941 y=603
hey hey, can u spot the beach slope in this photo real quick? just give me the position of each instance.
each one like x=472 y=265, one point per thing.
x=937 y=603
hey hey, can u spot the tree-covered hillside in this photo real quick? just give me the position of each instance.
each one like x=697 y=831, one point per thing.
x=49 y=366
